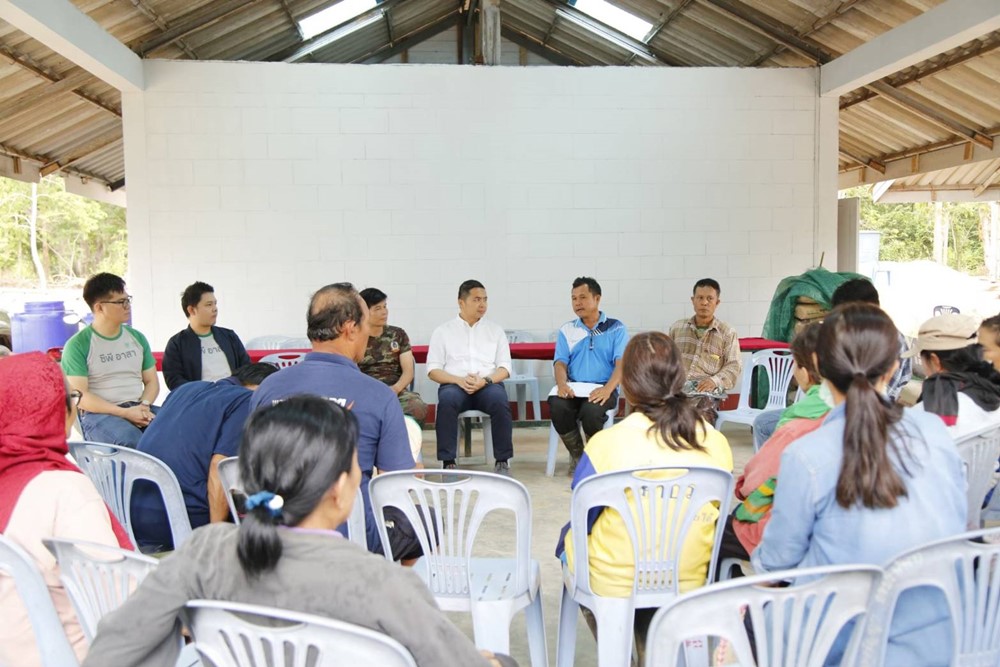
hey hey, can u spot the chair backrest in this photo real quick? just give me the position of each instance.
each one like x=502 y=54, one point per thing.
x=229 y=474
x=296 y=343
x=657 y=526
x=453 y=504
x=97 y=578
x=979 y=452
x=945 y=310
x=792 y=627
x=283 y=359
x=115 y=470
x=50 y=638
x=778 y=364
x=967 y=571
x=272 y=342
x=229 y=634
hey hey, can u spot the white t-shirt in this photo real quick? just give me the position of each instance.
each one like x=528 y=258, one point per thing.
x=214 y=365
x=460 y=349
x=971 y=417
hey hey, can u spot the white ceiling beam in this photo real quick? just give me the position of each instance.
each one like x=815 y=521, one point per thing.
x=943 y=158
x=945 y=27
x=69 y=32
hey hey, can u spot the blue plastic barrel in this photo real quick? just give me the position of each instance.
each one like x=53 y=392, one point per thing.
x=41 y=326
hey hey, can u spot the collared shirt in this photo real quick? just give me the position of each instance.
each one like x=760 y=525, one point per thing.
x=460 y=349
x=382 y=438
x=809 y=528
x=590 y=354
x=713 y=353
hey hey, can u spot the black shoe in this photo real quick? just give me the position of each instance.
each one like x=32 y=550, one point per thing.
x=502 y=468
x=448 y=465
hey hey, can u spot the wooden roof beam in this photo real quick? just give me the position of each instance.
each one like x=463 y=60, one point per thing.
x=779 y=32
x=941 y=29
x=665 y=21
x=991 y=178
x=541 y=50
x=82 y=152
x=158 y=21
x=921 y=108
x=37 y=95
x=25 y=64
x=412 y=38
x=874 y=164
x=60 y=26
x=824 y=20
x=191 y=23
x=291 y=17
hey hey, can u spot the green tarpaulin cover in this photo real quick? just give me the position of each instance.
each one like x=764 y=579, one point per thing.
x=816 y=284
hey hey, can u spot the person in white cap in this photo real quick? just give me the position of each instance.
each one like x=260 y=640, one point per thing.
x=961 y=386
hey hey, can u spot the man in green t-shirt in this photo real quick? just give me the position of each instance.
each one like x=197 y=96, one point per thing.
x=111 y=364
x=388 y=357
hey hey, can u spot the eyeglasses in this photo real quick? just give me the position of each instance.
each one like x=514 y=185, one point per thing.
x=124 y=303
x=75 y=396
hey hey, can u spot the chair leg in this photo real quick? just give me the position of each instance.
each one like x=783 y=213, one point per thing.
x=615 y=626
x=488 y=440
x=569 y=612
x=491 y=625
x=521 y=392
x=535 y=402
x=550 y=462
x=537 y=647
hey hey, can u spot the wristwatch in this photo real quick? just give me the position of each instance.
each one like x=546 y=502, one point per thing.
x=145 y=403
x=488 y=380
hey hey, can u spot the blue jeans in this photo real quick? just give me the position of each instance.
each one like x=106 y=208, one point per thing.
x=764 y=426
x=111 y=430
x=491 y=399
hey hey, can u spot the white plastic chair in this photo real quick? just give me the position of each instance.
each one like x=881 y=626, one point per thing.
x=657 y=532
x=792 y=627
x=97 y=578
x=53 y=646
x=979 y=452
x=225 y=636
x=550 y=459
x=229 y=474
x=967 y=572
x=283 y=359
x=272 y=342
x=115 y=470
x=778 y=366
x=491 y=589
x=487 y=425
x=523 y=383
x=296 y=344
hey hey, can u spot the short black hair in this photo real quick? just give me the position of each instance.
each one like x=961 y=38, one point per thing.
x=592 y=285
x=468 y=286
x=102 y=285
x=708 y=282
x=192 y=294
x=254 y=374
x=855 y=290
x=330 y=308
x=373 y=295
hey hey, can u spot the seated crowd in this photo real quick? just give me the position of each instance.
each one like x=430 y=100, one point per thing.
x=861 y=478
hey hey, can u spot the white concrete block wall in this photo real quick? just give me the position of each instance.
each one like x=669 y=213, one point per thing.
x=270 y=180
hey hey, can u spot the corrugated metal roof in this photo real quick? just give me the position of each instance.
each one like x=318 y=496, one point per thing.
x=82 y=133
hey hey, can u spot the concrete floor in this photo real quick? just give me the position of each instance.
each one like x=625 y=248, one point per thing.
x=550 y=497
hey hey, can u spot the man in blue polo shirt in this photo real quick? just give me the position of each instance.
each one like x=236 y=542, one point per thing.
x=587 y=367
x=337 y=327
x=200 y=424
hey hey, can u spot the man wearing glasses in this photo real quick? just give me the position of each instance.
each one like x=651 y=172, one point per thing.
x=111 y=365
x=587 y=368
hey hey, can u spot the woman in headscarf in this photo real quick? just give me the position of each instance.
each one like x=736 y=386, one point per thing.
x=42 y=494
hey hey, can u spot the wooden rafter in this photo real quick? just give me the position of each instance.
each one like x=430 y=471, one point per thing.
x=540 y=49
x=158 y=21
x=935 y=116
x=771 y=28
x=82 y=152
x=412 y=38
x=991 y=178
x=44 y=159
x=874 y=164
x=674 y=12
x=191 y=23
x=291 y=17
x=37 y=95
x=25 y=64
x=814 y=27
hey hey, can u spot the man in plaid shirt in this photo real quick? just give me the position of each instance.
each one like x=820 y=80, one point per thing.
x=709 y=347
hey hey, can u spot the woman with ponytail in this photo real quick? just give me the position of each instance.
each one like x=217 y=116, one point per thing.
x=299 y=466
x=665 y=429
x=871 y=482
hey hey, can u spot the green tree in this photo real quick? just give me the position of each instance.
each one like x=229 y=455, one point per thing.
x=76 y=236
x=908 y=230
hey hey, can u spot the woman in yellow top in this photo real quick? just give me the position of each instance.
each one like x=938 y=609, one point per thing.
x=665 y=429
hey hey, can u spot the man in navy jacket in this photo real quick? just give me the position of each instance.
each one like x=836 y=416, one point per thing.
x=203 y=351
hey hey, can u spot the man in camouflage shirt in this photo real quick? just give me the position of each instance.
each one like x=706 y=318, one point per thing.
x=388 y=357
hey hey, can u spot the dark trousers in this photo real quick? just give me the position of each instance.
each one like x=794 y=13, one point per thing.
x=566 y=412
x=491 y=399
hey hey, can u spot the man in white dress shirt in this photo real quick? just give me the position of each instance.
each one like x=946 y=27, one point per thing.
x=470 y=358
